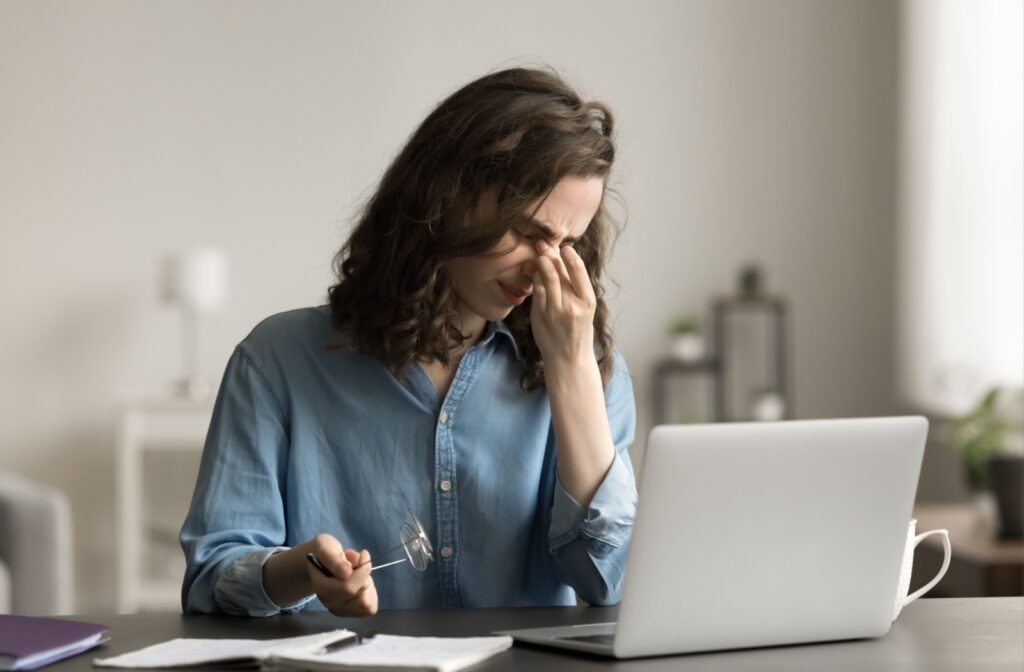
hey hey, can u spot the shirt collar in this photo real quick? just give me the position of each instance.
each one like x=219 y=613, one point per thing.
x=499 y=327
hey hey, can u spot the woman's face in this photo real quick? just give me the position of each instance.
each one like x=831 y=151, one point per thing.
x=490 y=287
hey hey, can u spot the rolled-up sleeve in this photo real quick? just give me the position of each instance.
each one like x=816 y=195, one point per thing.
x=236 y=520
x=590 y=544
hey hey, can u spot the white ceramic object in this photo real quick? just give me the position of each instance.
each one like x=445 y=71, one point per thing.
x=688 y=347
x=769 y=407
x=902 y=598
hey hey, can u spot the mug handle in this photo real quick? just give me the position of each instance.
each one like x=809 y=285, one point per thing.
x=947 y=552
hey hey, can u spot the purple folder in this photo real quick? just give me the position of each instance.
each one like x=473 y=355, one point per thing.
x=28 y=642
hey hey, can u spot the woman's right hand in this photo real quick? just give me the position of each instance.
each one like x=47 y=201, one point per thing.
x=350 y=591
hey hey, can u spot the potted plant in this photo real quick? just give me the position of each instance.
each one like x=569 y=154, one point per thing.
x=687 y=342
x=990 y=441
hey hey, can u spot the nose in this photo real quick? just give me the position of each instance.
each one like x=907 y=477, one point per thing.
x=528 y=268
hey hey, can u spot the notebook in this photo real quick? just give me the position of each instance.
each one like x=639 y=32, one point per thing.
x=382 y=653
x=28 y=642
x=233 y=652
x=393 y=653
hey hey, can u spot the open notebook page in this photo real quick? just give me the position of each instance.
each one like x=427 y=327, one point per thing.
x=192 y=652
x=392 y=652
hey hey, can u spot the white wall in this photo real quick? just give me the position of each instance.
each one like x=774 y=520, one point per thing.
x=748 y=130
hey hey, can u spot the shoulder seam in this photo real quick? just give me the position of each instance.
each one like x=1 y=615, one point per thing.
x=266 y=383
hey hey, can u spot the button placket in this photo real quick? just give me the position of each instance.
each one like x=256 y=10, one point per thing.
x=445 y=465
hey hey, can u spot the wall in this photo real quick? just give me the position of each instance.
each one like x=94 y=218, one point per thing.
x=748 y=131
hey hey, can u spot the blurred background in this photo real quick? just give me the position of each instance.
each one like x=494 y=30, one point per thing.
x=822 y=203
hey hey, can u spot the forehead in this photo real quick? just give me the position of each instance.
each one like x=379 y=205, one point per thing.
x=571 y=205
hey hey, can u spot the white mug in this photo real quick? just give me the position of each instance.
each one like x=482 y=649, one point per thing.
x=902 y=598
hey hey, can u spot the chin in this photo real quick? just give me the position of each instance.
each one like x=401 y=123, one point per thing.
x=493 y=313
x=501 y=313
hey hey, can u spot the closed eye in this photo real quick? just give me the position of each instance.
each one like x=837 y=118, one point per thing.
x=525 y=235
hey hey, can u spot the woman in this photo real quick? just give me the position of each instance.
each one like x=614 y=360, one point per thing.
x=463 y=370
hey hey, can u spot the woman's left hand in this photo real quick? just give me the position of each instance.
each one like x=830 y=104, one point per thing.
x=563 y=308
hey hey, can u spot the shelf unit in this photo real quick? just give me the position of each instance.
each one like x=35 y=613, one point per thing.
x=718 y=367
x=665 y=370
x=160 y=442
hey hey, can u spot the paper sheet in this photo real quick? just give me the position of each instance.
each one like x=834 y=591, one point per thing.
x=392 y=652
x=192 y=652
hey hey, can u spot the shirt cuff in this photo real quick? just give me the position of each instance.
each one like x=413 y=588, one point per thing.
x=608 y=520
x=239 y=589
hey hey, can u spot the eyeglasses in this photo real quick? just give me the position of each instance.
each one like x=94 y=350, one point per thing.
x=418 y=549
x=419 y=552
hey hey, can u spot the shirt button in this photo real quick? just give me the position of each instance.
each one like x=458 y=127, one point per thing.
x=446 y=552
x=444 y=417
x=446 y=485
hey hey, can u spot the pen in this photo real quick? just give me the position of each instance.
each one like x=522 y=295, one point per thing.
x=354 y=638
x=315 y=561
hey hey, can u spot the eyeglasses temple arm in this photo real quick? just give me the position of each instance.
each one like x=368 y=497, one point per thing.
x=374 y=569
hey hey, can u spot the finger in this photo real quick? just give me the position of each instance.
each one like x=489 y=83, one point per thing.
x=358 y=591
x=362 y=558
x=343 y=605
x=343 y=568
x=357 y=583
x=563 y=273
x=326 y=547
x=578 y=276
x=363 y=604
x=551 y=282
x=340 y=592
x=540 y=294
x=329 y=551
x=556 y=256
x=368 y=602
x=343 y=565
x=548 y=250
x=360 y=563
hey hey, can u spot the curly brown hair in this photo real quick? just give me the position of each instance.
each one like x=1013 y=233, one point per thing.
x=518 y=132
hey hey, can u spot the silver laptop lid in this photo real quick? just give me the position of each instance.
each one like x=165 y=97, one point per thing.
x=756 y=534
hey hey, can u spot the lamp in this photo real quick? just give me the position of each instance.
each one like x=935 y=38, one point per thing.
x=196 y=282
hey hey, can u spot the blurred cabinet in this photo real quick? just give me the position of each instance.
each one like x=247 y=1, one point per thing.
x=983 y=565
x=160 y=443
x=702 y=377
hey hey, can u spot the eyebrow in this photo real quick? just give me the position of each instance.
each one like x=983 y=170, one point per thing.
x=549 y=233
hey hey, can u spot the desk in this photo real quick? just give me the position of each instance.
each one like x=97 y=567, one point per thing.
x=976 y=634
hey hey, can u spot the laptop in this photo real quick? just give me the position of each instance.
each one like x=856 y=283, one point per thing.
x=761 y=534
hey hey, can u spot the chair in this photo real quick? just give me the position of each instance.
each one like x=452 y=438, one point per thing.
x=35 y=548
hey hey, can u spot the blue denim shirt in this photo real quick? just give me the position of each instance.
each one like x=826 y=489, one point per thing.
x=305 y=439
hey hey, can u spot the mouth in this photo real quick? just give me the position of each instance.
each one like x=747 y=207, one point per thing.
x=513 y=295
